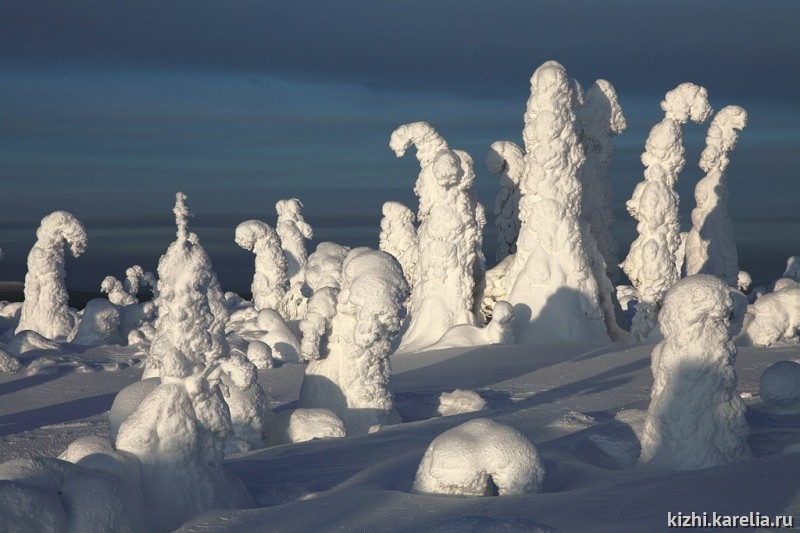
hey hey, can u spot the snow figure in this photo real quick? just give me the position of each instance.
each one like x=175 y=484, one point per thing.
x=553 y=281
x=270 y=283
x=293 y=230
x=399 y=237
x=283 y=344
x=710 y=245
x=779 y=384
x=301 y=425
x=136 y=278
x=506 y=161
x=352 y=377
x=323 y=275
x=260 y=354
x=117 y=294
x=500 y=330
x=449 y=238
x=477 y=457
x=598 y=119
x=45 y=308
x=792 y=268
x=99 y=324
x=744 y=280
x=652 y=259
x=773 y=318
x=696 y=417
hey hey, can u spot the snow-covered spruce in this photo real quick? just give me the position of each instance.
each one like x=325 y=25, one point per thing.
x=652 y=259
x=98 y=325
x=553 y=281
x=352 y=377
x=506 y=160
x=270 y=282
x=696 y=418
x=779 y=384
x=473 y=458
x=599 y=118
x=323 y=276
x=45 y=308
x=293 y=231
x=399 y=237
x=500 y=330
x=710 y=245
x=773 y=318
x=449 y=238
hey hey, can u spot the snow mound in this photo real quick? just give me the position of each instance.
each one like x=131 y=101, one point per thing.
x=277 y=335
x=260 y=354
x=460 y=401
x=300 y=425
x=470 y=459
x=99 y=324
x=773 y=318
x=8 y=363
x=499 y=331
x=127 y=401
x=28 y=340
x=45 y=494
x=779 y=384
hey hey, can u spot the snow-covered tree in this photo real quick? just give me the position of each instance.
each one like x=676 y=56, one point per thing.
x=710 y=245
x=45 y=308
x=293 y=231
x=506 y=160
x=651 y=261
x=599 y=118
x=117 y=294
x=696 y=417
x=270 y=283
x=399 y=237
x=552 y=281
x=352 y=376
x=449 y=238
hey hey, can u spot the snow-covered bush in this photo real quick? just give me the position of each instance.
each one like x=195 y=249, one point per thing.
x=260 y=354
x=696 y=418
x=598 y=119
x=555 y=280
x=471 y=459
x=651 y=264
x=98 y=325
x=449 y=238
x=459 y=402
x=45 y=308
x=399 y=237
x=301 y=425
x=710 y=245
x=352 y=376
x=779 y=384
x=500 y=330
x=270 y=282
x=774 y=317
x=46 y=494
x=506 y=160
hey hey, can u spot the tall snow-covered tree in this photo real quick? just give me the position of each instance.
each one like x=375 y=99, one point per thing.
x=399 y=236
x=45 y=308
x=598 y=119
x=270 y=282
x=506 y=160
x=652 y=259
x=449 y=238
x=710 y=244
x=551 y=281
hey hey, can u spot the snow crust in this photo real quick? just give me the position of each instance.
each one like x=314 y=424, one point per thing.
x=696 y=417
x=652 y=259
x=45 y=307
x=779 y=384
x=352 y=378
x=467 y=459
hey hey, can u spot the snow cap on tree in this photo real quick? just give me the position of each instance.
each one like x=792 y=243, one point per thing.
x=270 y=283
x=45 y=307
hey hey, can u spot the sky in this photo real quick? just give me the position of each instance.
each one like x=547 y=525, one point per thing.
x=107 y=108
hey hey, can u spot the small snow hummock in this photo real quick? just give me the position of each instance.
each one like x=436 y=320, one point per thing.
x=301 y=425
x=471 y=459
x=696 y=417
x=45 y=308
x=352 y=377
x=652 y=259
x=98 y=325
x=459 y=402
x=500 y=330
x=779 y=384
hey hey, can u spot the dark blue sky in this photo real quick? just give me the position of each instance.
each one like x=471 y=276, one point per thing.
x=107 y=108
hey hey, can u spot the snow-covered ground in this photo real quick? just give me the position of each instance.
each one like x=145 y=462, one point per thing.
x=581 y=404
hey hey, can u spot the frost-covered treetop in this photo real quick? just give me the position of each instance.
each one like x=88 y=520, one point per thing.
x=182 y=215
x=249 y=232
x=722 y=136
x=423 y=136
x=687 y=101
x=694 y=301
x=601 y=113
x=62 y=227
x=506 y=160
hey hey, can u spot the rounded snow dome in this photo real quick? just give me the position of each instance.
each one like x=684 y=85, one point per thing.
x=780 y=383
